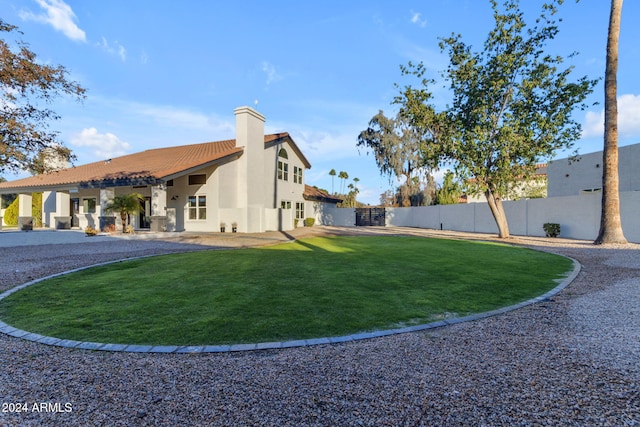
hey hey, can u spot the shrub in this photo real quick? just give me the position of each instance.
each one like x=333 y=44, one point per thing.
x=36 y=209
x=308 y=222
x=11 y=213
x=551 y=229
x=110 y=228
x=90 y=231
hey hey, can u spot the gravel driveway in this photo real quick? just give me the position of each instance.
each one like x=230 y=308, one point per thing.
x=572 y=360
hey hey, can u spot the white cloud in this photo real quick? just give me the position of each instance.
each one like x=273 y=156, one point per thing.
x=628 y=119
x=416 y=18
x=593 y=124
x=115 y=49
x=105 y=145
x=321 y=145
x=179 y=118
x=59 y=15
x=270 y=71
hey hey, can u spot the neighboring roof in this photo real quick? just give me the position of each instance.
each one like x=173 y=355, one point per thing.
x=146 y=167
x=316 y=194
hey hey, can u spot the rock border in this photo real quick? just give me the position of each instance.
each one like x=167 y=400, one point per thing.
x=137 y=348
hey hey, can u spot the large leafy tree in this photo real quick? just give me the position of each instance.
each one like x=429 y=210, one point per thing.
x=610 y=222
x=26 y=88
x=397 y=147
x=512 y=105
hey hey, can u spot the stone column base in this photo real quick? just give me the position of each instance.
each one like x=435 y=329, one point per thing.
x=25 y=223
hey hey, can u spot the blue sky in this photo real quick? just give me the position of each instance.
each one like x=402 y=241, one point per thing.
x=166 y=73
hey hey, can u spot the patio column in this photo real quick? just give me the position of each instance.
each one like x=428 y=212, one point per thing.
x=63 y=210
x=159 y=207
x=25 y=212
x=106 y=195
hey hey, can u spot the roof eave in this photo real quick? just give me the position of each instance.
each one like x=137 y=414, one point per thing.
x=294 y=146
x=219 y=161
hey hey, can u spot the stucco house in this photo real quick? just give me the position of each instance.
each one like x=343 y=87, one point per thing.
x=582 y=175
x=254 y=180
x=534 y=187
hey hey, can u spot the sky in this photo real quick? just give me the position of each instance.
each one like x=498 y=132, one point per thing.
x=163 y=73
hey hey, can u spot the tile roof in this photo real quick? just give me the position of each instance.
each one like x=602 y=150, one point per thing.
x=145 y=166
x=314 y=193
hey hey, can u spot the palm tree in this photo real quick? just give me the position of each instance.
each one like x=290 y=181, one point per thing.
x=351 y=195
x=356 y=181
x=125 y=205
x=610 y=223
x=332 y=172
x=343 y=176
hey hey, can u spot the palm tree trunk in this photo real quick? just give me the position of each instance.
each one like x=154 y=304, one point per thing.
x=610 y=223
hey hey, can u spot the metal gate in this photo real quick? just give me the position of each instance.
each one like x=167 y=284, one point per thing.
x=370 y=217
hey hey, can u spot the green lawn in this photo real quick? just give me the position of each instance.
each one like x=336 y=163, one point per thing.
x=315 y=287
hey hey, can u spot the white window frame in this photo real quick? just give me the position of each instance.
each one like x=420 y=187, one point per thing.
x=283 y=170
x=297 y=175
x=199 y=208
x=299 y=210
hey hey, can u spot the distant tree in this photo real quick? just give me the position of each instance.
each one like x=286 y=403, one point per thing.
x=511 y=107
x=25 y=84
x=429 y=191
x=350 y=199
x=397 y=148
x=450 y=191
x=343 y=176
x=388 y=198
x=610 y=222
x=125 y=205
x=332 y=172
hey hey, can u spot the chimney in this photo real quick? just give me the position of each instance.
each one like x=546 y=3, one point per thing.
x=251 y=166
x=249 y=128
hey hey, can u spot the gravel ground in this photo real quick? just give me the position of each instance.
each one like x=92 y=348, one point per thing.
x=571 y=360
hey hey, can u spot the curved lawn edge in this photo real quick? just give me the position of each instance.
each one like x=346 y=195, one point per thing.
x=136 y=348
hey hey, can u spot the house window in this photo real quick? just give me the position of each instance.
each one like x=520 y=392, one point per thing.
x=590 y=191
x=197 y=206
x=297 y=175
x=283 y=171
x=299 y=210
x=89 y=205
x=283 y=167
x=197 y=179
x=285 y=204
x=170 y=183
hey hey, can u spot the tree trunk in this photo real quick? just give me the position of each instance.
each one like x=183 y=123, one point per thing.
x=495 y=204
x=123 y=217
x=610 y=223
